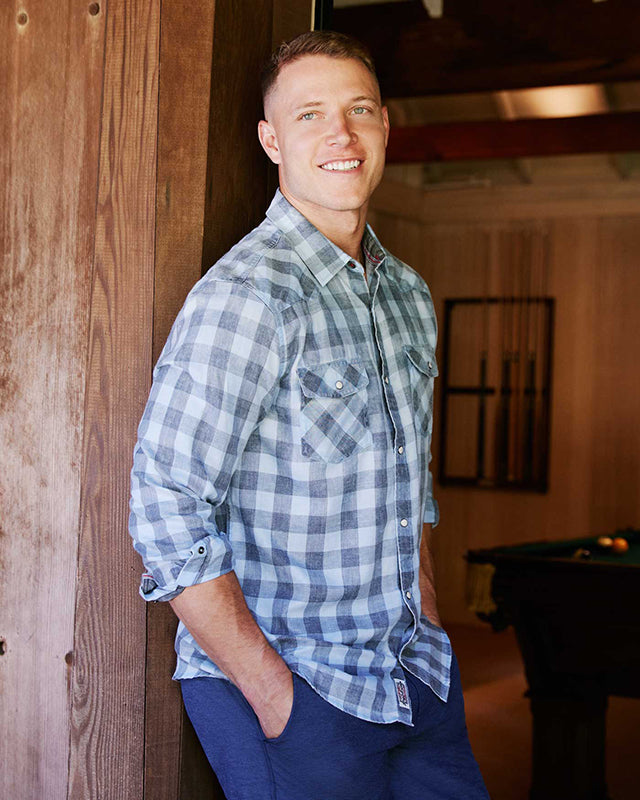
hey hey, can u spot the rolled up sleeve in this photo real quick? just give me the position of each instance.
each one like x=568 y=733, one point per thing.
x=215 y=379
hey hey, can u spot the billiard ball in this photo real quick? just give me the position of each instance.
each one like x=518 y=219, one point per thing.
x=605 y=542
x=620 y=545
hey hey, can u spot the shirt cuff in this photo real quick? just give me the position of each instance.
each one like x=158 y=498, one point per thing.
x=432 y=512
x=208 y=559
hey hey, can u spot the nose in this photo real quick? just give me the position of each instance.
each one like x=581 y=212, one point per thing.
x=341 y=133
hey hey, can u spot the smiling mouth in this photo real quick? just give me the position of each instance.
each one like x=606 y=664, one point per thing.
x=341 y=166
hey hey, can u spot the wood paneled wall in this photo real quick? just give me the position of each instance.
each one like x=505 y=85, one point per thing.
x=51 y=68
x=111 y=196
x=594 y=275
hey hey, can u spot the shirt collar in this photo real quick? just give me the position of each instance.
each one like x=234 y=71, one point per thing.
x=323 y=258
x=373 y=250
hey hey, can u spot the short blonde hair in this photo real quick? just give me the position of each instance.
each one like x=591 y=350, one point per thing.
x=314 y=43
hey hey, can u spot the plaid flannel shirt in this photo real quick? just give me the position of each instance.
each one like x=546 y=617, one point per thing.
x=287 y=438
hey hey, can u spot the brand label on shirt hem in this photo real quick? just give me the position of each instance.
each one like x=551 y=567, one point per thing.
x=402 y=693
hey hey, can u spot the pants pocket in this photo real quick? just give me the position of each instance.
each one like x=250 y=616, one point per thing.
x=292 y=716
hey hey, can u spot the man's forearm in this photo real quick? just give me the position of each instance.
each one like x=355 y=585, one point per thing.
x=427 y=579
x=217 y=616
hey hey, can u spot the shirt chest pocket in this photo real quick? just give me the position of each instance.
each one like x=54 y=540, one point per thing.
x=422 y=370
x=334 y=419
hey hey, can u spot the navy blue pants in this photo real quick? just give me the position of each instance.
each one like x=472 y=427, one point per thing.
x=325 y=754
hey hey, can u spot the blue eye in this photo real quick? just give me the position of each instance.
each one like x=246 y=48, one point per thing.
x=308 y=115
x=360 y=110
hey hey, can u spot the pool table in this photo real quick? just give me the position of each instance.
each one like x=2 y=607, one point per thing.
x=575 y=609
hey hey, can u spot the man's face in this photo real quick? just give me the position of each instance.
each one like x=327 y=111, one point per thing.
x=327 y=131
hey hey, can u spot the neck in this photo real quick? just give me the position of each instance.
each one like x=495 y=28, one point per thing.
x=343 y=228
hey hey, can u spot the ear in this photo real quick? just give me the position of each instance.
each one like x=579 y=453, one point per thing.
x=385 y=121
x=269 y=141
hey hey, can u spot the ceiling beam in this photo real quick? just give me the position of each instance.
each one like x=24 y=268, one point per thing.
x=496 y=44
x=458 y=141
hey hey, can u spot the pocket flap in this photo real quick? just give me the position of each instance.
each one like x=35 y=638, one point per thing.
x=423 y=359
x=333 y=379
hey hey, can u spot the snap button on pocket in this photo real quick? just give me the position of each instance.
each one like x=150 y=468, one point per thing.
x=422 y=359
x=422 y=370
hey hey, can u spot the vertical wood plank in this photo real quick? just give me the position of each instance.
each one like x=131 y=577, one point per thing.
x=107 y=715
x=51 y=62
x=290 y=19
x=236 y=189
x=614 y=496
x=574 y=283
x=183 y=118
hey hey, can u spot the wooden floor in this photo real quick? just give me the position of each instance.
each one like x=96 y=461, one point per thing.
x=499 y=720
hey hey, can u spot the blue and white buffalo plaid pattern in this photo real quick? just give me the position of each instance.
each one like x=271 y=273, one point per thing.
x=287 y=438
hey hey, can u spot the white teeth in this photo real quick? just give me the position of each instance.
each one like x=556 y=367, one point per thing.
x=342 y=166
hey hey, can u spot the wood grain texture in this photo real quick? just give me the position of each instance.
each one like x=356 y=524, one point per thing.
x=615 y=463
x=183 y=121
x=50 y=89
x=107 y=714
x=595 y=435
x=290 y=18
x=236 y=190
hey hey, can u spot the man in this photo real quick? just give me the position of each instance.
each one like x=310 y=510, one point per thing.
x=281 y=478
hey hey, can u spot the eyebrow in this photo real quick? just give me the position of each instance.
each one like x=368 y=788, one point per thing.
x=310 y=104
x=320 y=103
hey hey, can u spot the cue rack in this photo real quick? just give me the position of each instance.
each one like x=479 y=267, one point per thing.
x=496 y=372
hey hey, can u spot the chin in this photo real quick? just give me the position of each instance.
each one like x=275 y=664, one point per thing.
x=340 y=202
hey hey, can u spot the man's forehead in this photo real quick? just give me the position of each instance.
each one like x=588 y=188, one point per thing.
x=314 y=79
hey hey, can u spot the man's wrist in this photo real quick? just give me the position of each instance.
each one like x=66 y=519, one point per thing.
x=264 y=677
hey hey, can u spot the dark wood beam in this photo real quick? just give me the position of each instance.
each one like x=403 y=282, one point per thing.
x=497 y=44
x=599 y=133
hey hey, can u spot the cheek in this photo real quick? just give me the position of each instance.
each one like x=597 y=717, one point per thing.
x=304 y=143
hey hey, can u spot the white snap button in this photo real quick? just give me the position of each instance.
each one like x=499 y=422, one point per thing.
x=404 y=523
x=401 y=449
x=408 y=595
x=201 y=550
x=339 y=384
x=430 y=365
x=386 y=379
